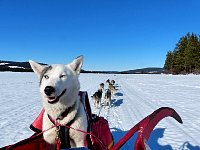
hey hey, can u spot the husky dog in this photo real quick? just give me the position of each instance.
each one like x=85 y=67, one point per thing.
x=112 y=89
x=59 y=88
x=108 y=82
x=107 y=98
x=101 y=86
x=112 y=82
x=97 y=98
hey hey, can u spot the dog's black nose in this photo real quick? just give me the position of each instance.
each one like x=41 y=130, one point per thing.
x=49 y=90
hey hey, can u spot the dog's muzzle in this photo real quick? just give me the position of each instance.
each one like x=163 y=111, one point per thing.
x=49 y=90
x=52 y=99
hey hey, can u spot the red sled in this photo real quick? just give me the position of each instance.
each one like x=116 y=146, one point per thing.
x=99 y=136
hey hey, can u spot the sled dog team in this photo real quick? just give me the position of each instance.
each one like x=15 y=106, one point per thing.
x=97 y=96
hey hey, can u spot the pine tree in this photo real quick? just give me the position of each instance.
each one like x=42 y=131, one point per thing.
x=185 y=58
x=169 y=62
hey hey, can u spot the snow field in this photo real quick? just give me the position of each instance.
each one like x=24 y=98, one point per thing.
x=137 y=96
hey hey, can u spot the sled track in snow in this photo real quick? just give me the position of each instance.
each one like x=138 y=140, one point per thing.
x=145 y=104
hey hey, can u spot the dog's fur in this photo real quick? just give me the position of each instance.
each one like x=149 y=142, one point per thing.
x=101 y=86
x=97 y=98
x=112 y=82
x=112 y=89
x=107 y=98
x=108 y=82
x=59 y=88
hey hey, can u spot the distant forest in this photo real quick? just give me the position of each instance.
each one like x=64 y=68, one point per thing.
x=185 y=58
x=6 y=68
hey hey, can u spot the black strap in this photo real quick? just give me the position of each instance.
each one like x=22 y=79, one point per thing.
x=64 y=138
x=64 y=135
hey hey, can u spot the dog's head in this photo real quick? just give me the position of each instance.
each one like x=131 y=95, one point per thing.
x=59 y=84
x=101 y=86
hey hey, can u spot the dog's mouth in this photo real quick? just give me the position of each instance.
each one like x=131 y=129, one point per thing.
x=53 y=99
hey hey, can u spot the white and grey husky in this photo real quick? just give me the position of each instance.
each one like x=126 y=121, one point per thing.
x=59 y=88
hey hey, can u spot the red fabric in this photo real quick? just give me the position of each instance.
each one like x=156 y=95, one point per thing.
x=103 y=139
x=37 y=124
x=32 y=143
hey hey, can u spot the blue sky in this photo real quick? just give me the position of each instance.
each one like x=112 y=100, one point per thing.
x=111 y=34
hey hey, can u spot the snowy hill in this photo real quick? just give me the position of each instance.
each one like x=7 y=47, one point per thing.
x=150 y=70
x=25 y=67
x=137 y=96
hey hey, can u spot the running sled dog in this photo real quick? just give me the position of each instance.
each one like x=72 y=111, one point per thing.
x=59 y=88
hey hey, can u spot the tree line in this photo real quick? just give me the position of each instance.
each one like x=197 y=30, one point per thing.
x=6 y=68
x=185 y=58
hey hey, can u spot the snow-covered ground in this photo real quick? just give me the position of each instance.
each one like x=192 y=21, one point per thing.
x=137 y=96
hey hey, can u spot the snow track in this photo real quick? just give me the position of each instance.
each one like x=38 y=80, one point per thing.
x=137 y=96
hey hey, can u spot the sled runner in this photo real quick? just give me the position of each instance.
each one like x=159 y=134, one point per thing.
x=99 y=136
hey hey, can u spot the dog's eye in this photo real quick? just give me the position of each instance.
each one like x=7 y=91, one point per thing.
x=46 y=76
x=62 y=76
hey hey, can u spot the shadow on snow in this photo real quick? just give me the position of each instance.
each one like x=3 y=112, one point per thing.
x=153 y=140
x=116 y=103
x=188 y=146
x=118 y=94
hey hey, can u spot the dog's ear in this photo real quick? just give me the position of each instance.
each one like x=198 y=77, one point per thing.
x=37 y=68
x=76 y=64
